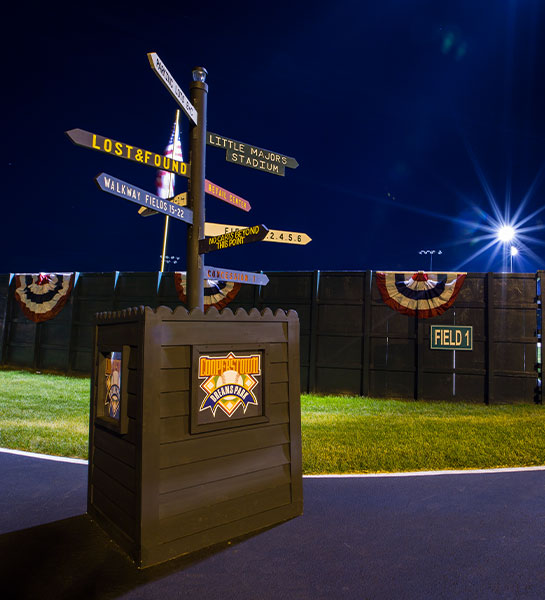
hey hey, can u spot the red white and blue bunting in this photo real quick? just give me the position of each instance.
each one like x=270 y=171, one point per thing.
x=42 y=296
x=216 y=293
x=422 y=294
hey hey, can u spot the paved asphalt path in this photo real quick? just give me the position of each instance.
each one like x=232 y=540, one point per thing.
x=476 y=536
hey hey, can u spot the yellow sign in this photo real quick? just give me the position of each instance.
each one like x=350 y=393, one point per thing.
x=122 y=150
x=274 y=235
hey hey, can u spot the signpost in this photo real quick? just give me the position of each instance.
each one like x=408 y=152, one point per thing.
x=274 y=235
x=251 y=156
x=190 y=206
x=163 y=73
x=233 y=238
x=230 y=275
x=451 y=337
x=226 y=195
x=94 y=141
x=125 y=190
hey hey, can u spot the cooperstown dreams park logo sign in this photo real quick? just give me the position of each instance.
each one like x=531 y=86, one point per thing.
x=229 y=382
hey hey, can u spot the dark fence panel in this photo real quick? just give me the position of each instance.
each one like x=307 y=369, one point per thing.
x=5 y=299
x=351 y=342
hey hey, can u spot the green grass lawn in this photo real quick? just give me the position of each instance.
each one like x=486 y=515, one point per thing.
x=362 y=435
x=49 y=414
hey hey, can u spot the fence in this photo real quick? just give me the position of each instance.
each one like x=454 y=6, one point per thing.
x=351 y=342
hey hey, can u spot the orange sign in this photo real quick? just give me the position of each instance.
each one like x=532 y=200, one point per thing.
x=226 y=195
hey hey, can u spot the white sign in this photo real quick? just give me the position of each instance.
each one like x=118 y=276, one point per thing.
x=170 y=83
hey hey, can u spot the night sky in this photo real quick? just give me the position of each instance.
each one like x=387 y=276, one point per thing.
x=415 y=125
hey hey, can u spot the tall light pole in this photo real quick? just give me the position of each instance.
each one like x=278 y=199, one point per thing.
x=513 y=252
x=431 y=253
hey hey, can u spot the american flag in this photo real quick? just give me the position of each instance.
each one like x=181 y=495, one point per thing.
x=165 y=180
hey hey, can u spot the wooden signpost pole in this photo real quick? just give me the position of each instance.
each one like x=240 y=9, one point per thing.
x=197 y=157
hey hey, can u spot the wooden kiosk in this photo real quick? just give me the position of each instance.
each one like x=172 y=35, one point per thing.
x=170 y=472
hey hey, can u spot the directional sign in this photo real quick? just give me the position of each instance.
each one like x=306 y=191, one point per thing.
x=180 y=200
x=251 y=156
x=125 y=190
x=451 y=337
x=230 y=275
x=144 y=157
x=162 y=72
x=274 y=235
x=231 y=239
x=226 y=195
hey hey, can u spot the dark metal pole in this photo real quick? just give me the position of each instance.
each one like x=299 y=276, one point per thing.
x=197 y=156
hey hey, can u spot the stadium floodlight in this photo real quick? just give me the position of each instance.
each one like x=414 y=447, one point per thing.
x=506 y=233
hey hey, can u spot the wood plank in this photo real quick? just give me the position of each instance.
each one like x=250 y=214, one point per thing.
x=489 y=328
x=174 y=380
x=221 y=533
x=119 y=333
x=223 y=467
x=174 y=404
x=116 y=469
x=193 y=498
x=197 y=448
x=132 y=407
x=114 y=514
x=296 y=463
x=278 y=353
x=114 y=491
x=222 y=513
x=113 y=445
x=133 y=382
x=226 y=332
x=175 y=357
x=148 y=476
x=278 y=393
x=278 y=372
x=175 y=429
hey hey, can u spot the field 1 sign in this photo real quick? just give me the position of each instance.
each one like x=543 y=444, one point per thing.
x=451 y=337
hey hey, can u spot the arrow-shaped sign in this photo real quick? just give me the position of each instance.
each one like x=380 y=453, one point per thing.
x=274 y=235
x=231 y=239
x=125 y=190
x=87 y=139
x=162 y=72
x=230 y=275
x=251 y=156
x=226 y=195
x=179 y=199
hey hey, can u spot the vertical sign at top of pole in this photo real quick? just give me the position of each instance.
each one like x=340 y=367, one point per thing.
x=197 y=155
x=170 y=83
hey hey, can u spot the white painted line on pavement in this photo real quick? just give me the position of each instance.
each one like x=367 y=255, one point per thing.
x=78 y=461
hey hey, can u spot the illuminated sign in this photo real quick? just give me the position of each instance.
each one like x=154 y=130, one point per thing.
x=233 y=238
x=122 y=150
x=274 y=235
x=125 y=190
x=251 y=156
x=226 y=195
x=451 y=337
x=169 y=82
